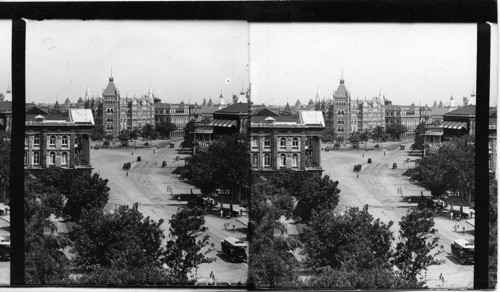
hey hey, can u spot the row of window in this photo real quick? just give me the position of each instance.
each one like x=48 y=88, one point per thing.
x=267 y=160
x=35 y=158
x=109 y=110
x=267 y=143
x=52 y=141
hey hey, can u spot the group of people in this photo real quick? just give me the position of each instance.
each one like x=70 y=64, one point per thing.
x=457 y=226
x=400 y=191
x=227 y=223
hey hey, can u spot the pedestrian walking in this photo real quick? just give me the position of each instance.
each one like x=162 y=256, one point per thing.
x=127 y=173
x=153 y=151
x=212 y=278
x=455 y=227
x=363 y=155
x=357 y=175
x=451 y=215
x=221 y=212
x=384 y=153
x=463 y=230
x=441 y=279
x=132 y=153
x=234 y=228
x=422 y=194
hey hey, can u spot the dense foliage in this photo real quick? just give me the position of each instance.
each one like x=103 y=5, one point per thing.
x=419 y=137
x=451 y=169
x=342 y=251
x=188 y=135
x=187 y=247
x=416 y=250
x=163 y=129
x=395 y=130
x=120 y=240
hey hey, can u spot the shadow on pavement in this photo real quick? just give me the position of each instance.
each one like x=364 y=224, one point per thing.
x=225 y=258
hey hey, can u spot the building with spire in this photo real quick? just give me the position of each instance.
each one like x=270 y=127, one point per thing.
x=341 y=118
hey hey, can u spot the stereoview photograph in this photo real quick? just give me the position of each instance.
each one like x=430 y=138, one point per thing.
x=362 y=156
x=134 y=153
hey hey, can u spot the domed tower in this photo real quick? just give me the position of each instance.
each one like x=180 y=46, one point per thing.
x=222 y=101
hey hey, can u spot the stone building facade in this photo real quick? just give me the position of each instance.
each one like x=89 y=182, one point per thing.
x=56 y=141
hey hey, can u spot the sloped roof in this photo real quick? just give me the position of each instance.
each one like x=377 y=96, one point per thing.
x=53 y=117
x=278 y=119
x=312 y=118
x=341 y=90
x=209 y=109
x=467 y=111
x=111 y=89
x=436 y=111
x=237 y=108
x=35 y=110
x=263 y=112
x=81 y=116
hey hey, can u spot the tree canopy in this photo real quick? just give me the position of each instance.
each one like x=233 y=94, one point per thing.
x=188 y=135
x=395 y=130
x=164 y=128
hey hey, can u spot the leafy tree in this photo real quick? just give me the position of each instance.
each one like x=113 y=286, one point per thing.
x=187 y=246
x=316 y=194
x=419 y=138
x=148 y=132
x=188 y=135
x=271 y=263
x=354 y=139
x=124 y=137
x=395 y=130
x=353 y=241
x=109 y=137
x=363 y=136
x=122 y=240
x=452 y=168
x=163 y=129
x=97 y=133
x=493 y=230
x=328 y=135
x=86 y=193
x=224 y=166
x=415 y=251
x=45 y=263
x=378 y=134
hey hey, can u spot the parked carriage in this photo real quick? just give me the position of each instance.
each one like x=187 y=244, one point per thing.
x=127 y=165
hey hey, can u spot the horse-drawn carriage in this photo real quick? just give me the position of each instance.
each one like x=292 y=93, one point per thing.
x=357 y=167
x=126 y=165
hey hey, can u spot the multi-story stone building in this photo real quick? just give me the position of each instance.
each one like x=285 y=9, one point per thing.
x=115 y=114
x=286 y=141
x=408 y=116
x=341 y=118
x=177 y=113
x=367 y=114
x=58 y=140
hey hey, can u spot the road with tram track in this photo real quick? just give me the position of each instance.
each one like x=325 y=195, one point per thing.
x=149 y=184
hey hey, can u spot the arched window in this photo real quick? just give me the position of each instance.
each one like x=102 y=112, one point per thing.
x=52 y=140
x=255 y=160
x=283 y=160
x=64 y=141
x=295 y=143
x=295 y=160
x=36 y=141
x=255 y=143
x=282 y=143
x=52 y=158
x=64 y=158
x=36 y=158
x=267 y=143
x=25 y=158
x=267 y=159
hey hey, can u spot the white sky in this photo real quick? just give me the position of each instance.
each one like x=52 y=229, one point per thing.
x=183 y=60
x=5 y=55
x=409 y=62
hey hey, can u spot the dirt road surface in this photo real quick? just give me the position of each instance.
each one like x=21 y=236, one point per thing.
x=152 y=186
x=377 y=186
